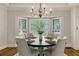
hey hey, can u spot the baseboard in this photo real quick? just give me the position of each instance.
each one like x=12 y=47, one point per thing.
x=68 y=47
x=9 y=45
x=2 y=47
x=12 y=45
x=71 y=48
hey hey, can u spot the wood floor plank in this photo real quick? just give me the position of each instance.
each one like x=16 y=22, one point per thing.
x=9 y=51
x=71 y=52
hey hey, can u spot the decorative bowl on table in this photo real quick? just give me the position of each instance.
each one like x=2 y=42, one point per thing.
x=49 y=37
x=30 y=36
x=50 y=42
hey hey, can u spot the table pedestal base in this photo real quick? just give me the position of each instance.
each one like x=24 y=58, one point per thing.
x=40 y=50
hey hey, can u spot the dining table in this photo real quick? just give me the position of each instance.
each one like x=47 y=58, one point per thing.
x=35 y=42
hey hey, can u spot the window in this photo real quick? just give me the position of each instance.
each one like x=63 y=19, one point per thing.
x=56 y=25
x=38 y=25
x=23 y=24
x=33 y=25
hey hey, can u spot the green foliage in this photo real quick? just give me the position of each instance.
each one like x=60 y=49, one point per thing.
x=38 y=25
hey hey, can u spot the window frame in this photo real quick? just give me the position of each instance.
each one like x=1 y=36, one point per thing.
x=50 y=24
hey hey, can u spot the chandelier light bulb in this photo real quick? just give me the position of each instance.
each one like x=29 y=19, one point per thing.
x=31 y=11
x=44 y=6
x=46 y=12
x=41 y=11
x=32 y=7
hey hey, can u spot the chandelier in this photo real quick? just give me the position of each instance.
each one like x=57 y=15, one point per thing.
x=41 y=11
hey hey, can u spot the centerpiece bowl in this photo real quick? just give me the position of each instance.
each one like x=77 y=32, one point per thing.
x=49 y=37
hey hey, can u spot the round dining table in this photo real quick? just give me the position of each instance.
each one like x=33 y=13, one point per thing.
x=40 y=44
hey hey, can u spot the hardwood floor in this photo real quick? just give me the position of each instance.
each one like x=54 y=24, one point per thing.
x=71 y=52
x=10 y=51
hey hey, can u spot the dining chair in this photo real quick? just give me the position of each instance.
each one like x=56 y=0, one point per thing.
x=48 y=50
x=49 y=37
x=59 y=49
x=23 y=48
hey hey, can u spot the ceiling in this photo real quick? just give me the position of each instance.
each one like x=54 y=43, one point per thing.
x=37 y=4
x=27 y=6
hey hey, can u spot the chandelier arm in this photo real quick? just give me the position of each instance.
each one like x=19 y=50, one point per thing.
x=40 y=6
x=41 y=11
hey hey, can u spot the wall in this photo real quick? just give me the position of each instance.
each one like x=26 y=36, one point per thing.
x=3 y=27
x=14 y=13
x=75 y=27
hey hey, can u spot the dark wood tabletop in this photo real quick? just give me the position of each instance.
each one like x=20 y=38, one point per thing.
x=43 y=43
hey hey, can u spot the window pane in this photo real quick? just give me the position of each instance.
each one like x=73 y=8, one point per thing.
x=56 y=25
x=39 y=25
x=23 y=25
x=34 y=26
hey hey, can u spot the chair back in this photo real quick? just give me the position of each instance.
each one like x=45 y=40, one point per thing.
x=59 y=49
x=22 y=47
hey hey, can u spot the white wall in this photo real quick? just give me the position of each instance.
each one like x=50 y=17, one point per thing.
x=14 y=13
x=74 y=25
x=77 y=30
x=3 y=27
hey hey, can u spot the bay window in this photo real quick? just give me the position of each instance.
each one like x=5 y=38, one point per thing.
x=33 y=25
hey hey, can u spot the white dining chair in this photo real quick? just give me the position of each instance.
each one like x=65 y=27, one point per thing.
x=23 y=48
x=59 y=49
x=48 y=50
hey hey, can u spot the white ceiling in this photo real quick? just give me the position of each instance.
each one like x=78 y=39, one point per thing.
x=37 y=4
x=21 y=6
